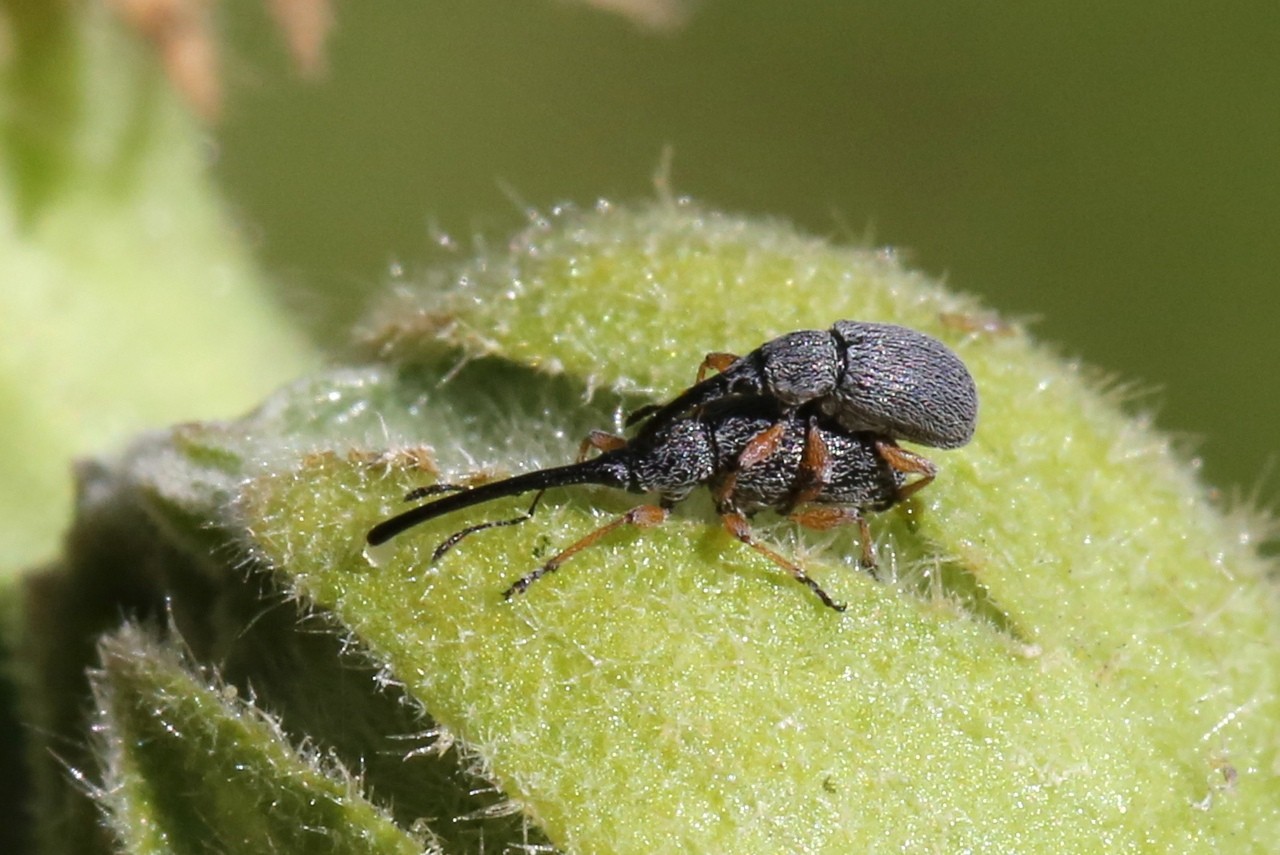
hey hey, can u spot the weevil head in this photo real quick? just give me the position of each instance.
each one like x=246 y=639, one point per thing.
x=902 y=384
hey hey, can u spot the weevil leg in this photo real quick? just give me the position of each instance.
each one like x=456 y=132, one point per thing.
x=600 y=441
x=814 y=471
x=454 y=539
x=760 y=447
x=717 y=362
x=641 y=516
x=824 y=518
x=431 y=490
x=737 y=525
x=908 y=463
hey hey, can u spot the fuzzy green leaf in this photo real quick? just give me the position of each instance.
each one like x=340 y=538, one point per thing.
x=1075 y=650
x=192 y=768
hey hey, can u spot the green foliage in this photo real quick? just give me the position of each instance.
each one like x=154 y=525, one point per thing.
x=1073 y=648
x=192 y=768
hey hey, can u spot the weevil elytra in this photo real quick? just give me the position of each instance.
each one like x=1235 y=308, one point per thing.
x=881 y=378
x=818 y=473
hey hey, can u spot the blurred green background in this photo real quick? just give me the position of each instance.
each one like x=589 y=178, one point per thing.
x=1112 y=170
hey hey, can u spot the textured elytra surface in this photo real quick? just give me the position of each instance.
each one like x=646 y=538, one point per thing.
x=903 y=383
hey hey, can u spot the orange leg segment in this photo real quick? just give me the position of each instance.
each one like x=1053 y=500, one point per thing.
x=823 y=518
x=737 y=525
x=712 y=362
x=813 y=472
x=641 y=516
x=600 y=441
x=717 y=362
x=760 y=447
x=907 y=463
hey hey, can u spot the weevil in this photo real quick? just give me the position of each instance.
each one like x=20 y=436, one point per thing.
x=818 y=474
x=879 y=378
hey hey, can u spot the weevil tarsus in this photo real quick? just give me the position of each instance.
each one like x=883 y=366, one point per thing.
x=737 y=525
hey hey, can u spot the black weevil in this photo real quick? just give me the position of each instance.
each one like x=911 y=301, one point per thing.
x=817 y=472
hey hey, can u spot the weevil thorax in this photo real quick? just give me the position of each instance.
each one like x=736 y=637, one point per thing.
x=902 y=384
x=673 y=460
x=799 y=366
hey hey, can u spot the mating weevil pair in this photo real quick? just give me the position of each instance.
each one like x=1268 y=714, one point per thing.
x=805 y=425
